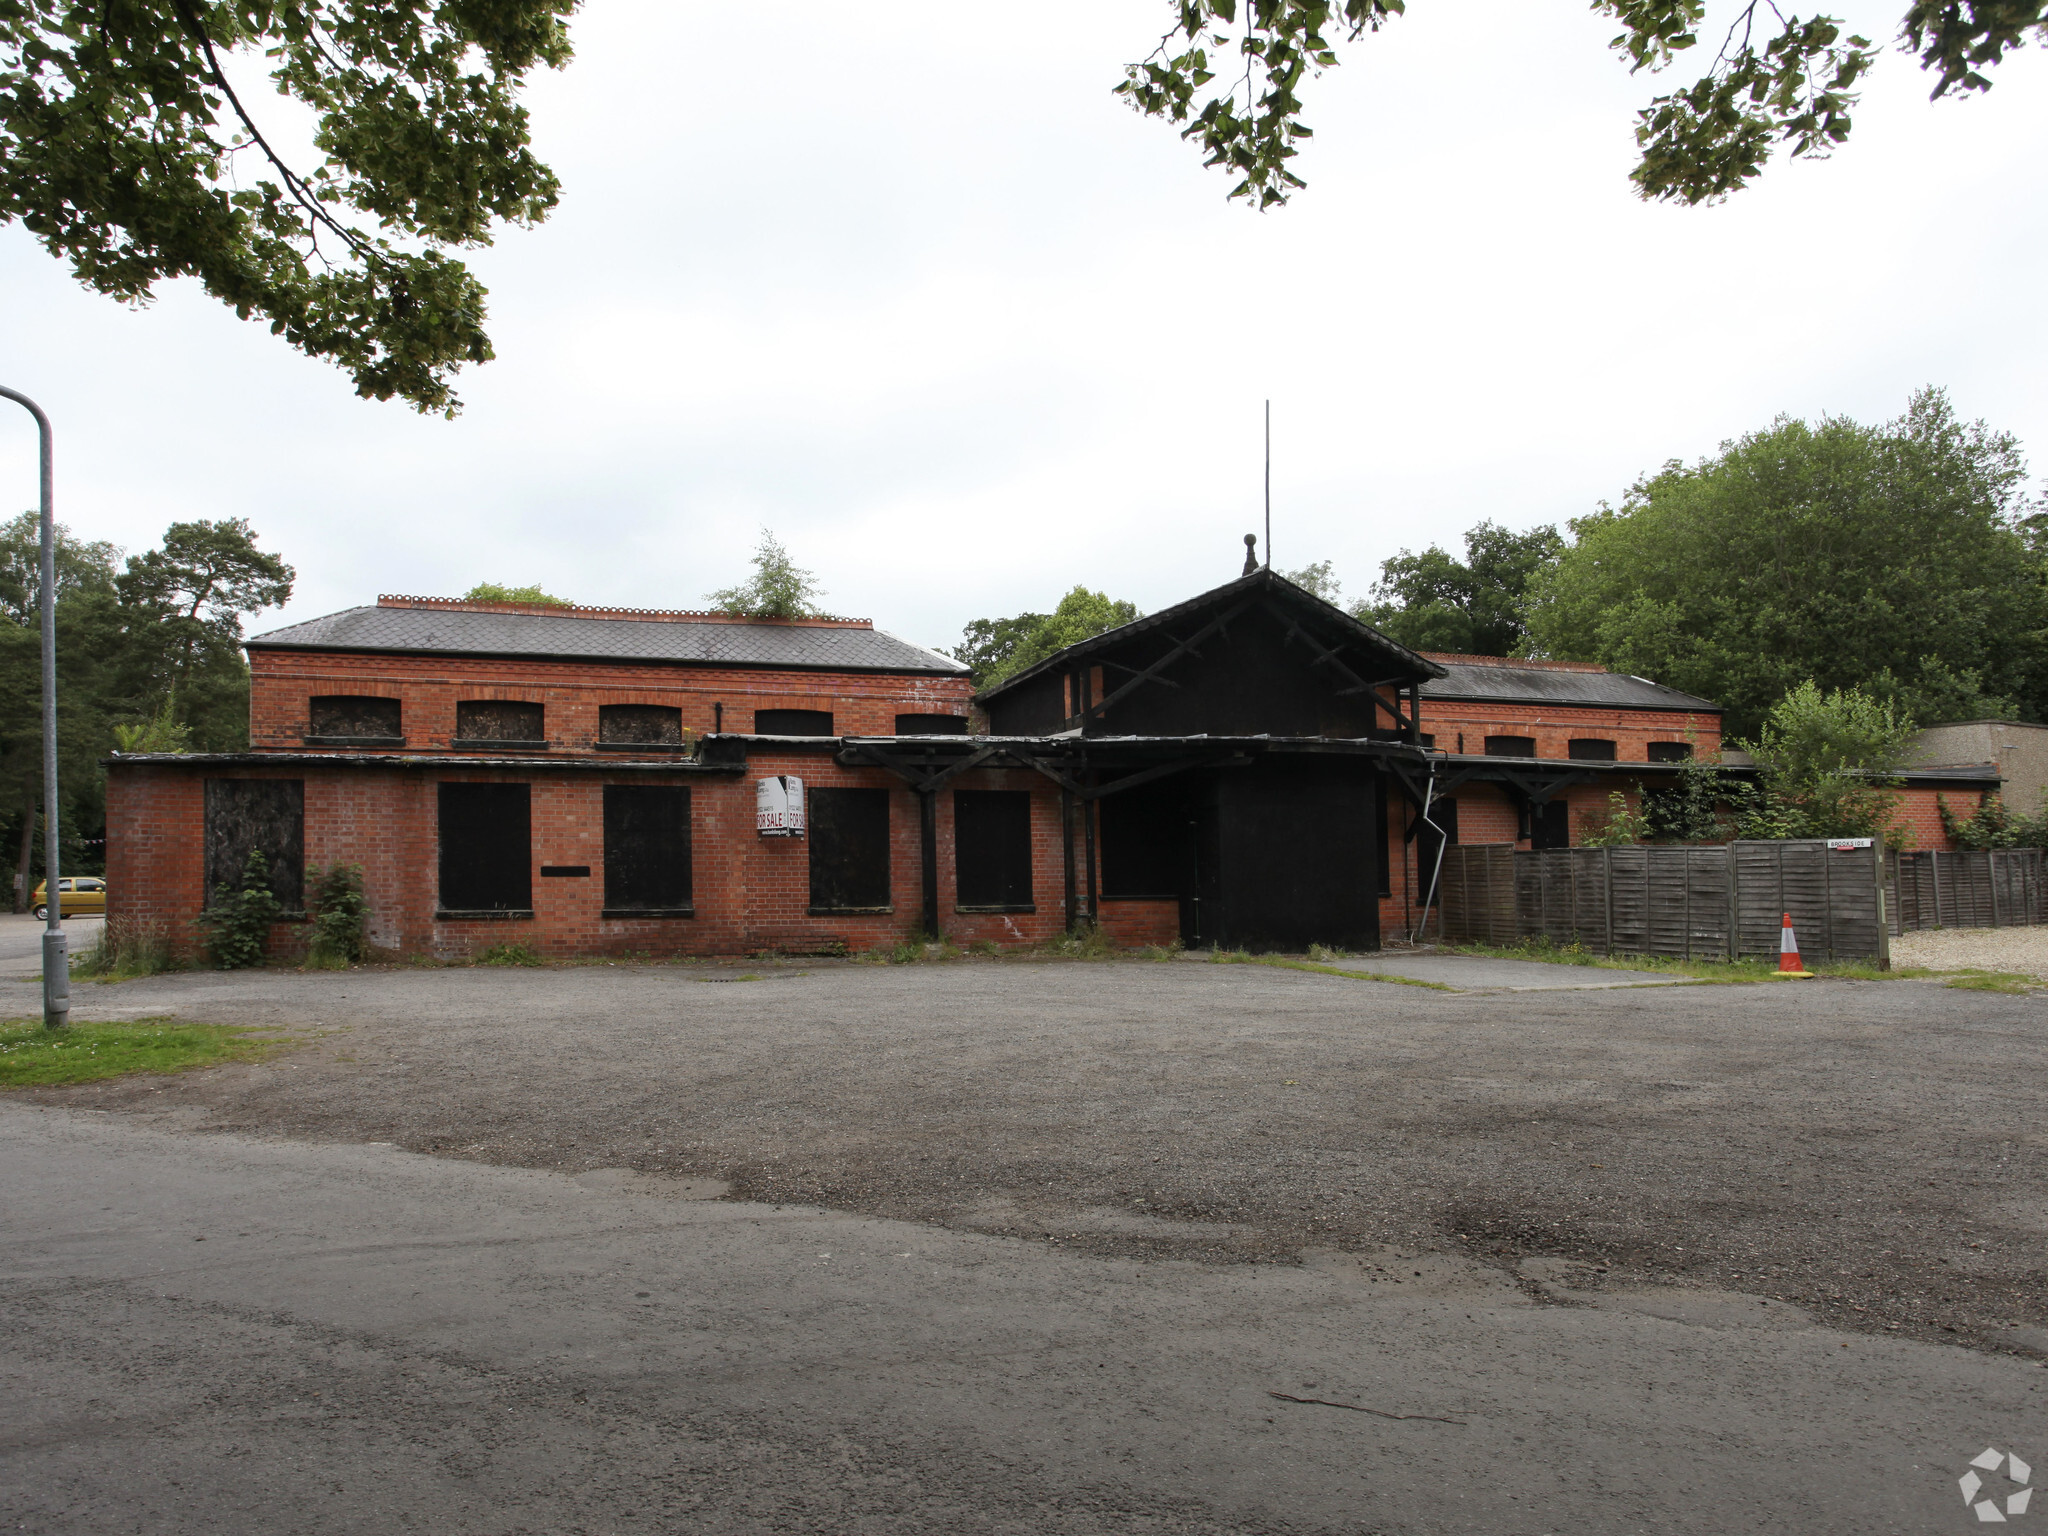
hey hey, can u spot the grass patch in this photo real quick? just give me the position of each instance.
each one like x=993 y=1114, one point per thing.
x=34 y=1057
x=1280 y=962
x=126 y=950
x=1993 y=981
x=1752 y=968
x=1085 y=943
x=509 y=954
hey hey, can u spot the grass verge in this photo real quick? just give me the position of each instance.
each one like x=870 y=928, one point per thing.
x=1279 y=962
x=1755 y=969
x=1994 y=981
x=34 y=1057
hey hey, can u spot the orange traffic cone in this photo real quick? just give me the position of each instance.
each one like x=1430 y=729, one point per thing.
x=1788 y=951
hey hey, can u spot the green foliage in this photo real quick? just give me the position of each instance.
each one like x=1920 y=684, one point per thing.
x=126 y=151
x=1826 y=760
x=1086 y=942
x=1991 y=825
x=164 y=733
x=34 y=1057
x=1436 y=602
x=508 y=954
x=340 y=915
x=237 y=922
x=777 y=589
x=126 y=949
x=1618 y=826
x=998 y=648
x=1319 y=578
x=492 y=592
x=1790 y=85
x=1897 y=559
x=151 y=655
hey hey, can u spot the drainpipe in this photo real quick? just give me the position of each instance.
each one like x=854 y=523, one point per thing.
x=56 y=964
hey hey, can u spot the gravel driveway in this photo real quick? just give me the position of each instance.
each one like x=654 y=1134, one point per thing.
x=2024 y=950
x=1873 y=1150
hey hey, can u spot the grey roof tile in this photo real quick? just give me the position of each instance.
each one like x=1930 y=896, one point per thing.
x=1546 y=685
x=463 y=632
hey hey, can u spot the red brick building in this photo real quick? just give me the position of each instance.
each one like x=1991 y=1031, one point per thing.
x=1246 y=768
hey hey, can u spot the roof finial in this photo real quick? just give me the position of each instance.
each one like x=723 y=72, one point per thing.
x=1251 y=553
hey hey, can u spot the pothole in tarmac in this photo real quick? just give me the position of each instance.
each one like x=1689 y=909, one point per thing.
x=1413 y=1272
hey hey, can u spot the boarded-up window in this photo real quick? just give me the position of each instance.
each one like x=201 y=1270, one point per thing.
x=1670 y=751
x=792 y=722
x=849 y=841
x=245 y=816
x=646 y=850
x=650 y=725
x=486 y=848
x=1511 y=746
x=992 y=848
x=931 y=725
x=1550 y=825
x=499 y=720
x=1592 y=749
x=349 y=716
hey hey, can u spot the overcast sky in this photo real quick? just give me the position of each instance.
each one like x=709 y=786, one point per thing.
x=906 y=284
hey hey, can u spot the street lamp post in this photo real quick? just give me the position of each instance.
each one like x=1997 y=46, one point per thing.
x=56 y=965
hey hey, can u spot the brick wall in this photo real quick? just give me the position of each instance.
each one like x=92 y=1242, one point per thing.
x=1456 y=721
x=429 y=687
x=750 y=892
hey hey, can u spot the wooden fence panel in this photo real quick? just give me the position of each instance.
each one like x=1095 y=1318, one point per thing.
x=1477 y=901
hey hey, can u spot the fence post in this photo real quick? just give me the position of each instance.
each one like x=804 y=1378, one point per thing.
x=1884 y=927
x=1607 y=886
x=1827 y=896
x=1991 y=879
x=1935 y=859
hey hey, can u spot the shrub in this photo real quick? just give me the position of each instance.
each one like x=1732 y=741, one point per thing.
x=237 y=924
x=1616 y=827
x=508 y=954
x=341 y=916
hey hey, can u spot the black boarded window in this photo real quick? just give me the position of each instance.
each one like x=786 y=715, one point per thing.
x=651 y=725
x=792 y=722
x=1511 y=746
x=646 y=849
x=849 y=842
x=992 y=848
x=486 y=848
x=347 y=715
x=1592 y=749
x=1670 y=751
x=267 y=816
x=931 y=725
x=1550 y=825
x=499 y=720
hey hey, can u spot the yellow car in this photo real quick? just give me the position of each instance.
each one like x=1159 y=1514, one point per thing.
x=83 y=896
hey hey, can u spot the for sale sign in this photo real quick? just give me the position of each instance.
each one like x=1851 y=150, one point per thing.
x=779 y=806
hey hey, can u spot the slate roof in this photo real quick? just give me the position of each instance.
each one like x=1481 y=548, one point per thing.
x=1545 y=685
x=556 y=637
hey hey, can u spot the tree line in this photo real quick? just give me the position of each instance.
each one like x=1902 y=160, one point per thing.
x=1832 y=585
x=149 y=659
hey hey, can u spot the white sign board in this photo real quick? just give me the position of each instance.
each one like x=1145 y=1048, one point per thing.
x=1844 y=844
x=779 y=806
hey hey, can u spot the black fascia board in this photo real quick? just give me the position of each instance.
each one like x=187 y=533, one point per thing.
x=1259 y=580
x=408 y=760
x=682 y=663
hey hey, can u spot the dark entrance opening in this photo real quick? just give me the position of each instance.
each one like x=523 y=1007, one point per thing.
x=992 y=850
x=1431 y=838
x=647 y=851
x=1287 y=855
x=1550 y=825
x=849 y=843
x=486 y=850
